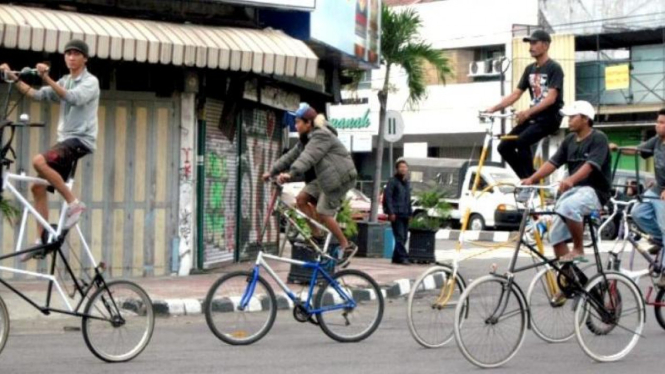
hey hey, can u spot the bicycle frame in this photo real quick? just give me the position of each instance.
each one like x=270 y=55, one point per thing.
x=317 y=269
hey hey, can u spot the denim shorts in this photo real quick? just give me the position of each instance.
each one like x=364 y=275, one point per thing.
x=574 y=204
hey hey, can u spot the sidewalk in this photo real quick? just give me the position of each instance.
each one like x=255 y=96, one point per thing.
x=173 y=295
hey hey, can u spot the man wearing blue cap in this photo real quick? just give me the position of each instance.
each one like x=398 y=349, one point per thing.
x=78 y=95
x=319 y=151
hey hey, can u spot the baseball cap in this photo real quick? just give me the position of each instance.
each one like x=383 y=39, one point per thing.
x=77 y=45
x=538 y=36
x=579 y=107
x=305 y=111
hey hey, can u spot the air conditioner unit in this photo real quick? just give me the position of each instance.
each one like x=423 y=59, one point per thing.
x=496 y=66
x=478 y=68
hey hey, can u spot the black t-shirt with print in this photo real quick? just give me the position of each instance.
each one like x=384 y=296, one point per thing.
x=595 y=150
x=539 y=81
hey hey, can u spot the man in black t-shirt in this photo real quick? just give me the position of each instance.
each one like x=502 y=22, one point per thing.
x=586 y=154
x=544 y=80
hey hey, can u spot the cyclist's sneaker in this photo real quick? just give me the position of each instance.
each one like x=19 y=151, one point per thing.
x=30 y=255
x=347 y=254
x=73 y=214
x=523 y=195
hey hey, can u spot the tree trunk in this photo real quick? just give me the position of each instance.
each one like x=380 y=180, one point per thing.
x=383 y=101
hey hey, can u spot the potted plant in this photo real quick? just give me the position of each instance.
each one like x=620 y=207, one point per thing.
x=432 y=215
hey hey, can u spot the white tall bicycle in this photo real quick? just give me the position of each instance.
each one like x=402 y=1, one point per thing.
x=118 y=317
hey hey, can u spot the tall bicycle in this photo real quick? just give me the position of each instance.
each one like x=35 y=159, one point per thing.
x=117 y=317
x=492 y=315
x=435 y=294
x=241 y=307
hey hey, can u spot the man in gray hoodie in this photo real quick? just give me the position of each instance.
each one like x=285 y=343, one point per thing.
x=320 y=150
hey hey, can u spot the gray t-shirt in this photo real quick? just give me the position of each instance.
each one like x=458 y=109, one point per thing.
x=655 y=148
x=78 y=110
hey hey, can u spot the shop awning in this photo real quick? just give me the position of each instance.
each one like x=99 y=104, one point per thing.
x=261 y=51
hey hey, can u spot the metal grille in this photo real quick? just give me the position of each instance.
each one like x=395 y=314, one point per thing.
x=219 y=205
x=260 y=147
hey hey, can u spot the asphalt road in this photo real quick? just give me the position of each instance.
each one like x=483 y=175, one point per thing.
x=185 y=345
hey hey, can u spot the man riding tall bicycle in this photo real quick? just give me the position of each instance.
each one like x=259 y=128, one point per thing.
x=78 y=95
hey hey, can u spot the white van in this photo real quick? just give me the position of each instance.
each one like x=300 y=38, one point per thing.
x=493 y=209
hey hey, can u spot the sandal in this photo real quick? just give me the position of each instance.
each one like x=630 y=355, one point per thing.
x=347 y=254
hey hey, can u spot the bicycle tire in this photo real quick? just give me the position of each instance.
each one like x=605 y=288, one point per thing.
x=658 y=310
x=585 y=310
x=374 y=294
x=560 y=328
x=465 y=311
x=227 y=305
x=128 y=307
x=430 y=282
x=4 y=325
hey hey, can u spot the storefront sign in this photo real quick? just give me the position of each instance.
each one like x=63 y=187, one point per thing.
x=271 y=96
x=617 y=77
x=357 y=25
x=353 y=119
x=289 y=4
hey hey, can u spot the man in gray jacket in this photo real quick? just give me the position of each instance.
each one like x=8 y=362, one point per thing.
x=320 y=150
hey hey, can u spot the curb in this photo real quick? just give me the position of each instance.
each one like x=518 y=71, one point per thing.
x=479 y=236
x=192 y=307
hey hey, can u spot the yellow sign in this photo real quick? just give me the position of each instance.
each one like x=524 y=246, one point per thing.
x=617 y=77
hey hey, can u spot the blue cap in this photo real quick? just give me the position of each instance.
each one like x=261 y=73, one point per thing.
x=304 y=111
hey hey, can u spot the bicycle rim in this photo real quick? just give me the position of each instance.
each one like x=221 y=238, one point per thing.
x=486 y=344
x=228 y=320
x=4 y=325
x=350 y=324
x=609 y=332
x=128 y=322
x=550 y=322
x=431 y=307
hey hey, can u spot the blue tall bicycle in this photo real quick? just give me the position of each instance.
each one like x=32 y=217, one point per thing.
x=241 y=307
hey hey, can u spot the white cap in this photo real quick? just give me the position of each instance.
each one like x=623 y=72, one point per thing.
x=579 y=107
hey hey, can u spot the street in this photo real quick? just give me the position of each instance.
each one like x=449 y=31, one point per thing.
x=185 y=345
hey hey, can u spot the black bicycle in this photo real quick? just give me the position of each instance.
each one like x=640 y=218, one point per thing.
x=493 y=314
x=117 y=316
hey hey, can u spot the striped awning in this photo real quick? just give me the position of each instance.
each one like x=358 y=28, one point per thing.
x=261 y=51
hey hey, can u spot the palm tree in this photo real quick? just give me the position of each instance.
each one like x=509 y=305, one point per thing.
x=401 y=45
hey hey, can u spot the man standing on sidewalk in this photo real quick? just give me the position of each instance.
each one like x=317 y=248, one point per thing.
x=397 y=205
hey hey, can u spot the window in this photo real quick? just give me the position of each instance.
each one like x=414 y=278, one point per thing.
x=481 y=185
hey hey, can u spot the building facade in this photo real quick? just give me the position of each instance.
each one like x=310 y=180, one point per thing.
x=192 y=112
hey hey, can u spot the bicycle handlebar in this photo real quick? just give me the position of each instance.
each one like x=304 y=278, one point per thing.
x=484 y=115
x=22 y=73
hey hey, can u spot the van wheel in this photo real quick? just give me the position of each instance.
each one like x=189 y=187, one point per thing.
x=476 y=222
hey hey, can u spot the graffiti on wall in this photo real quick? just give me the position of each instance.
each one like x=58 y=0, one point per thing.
x=259 y=149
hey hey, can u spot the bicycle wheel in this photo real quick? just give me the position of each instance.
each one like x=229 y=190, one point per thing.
x=225 y=317
x=550 y=321
x=4 y=325
x=344 y=323
x=610 y=318
x=490 y=322
x=119 y=321
x=431 y=306
x=658 y=310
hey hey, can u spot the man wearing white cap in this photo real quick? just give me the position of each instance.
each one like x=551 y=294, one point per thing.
x=587 y=188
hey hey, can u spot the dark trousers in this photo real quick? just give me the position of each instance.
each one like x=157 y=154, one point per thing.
x=517 y=153
x=401 y=233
